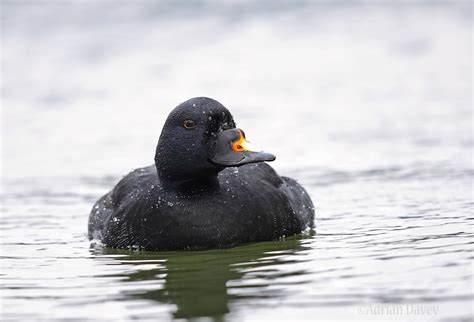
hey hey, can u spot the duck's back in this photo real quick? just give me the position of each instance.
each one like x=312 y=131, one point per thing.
x=265 y=186
x=251 y=204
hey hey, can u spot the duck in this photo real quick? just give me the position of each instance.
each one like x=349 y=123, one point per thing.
x=209 y=187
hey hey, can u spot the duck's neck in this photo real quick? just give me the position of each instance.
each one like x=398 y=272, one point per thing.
x=202 y=181
x=184 y=169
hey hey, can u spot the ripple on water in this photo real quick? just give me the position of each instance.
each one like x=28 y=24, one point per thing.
x=398 y=252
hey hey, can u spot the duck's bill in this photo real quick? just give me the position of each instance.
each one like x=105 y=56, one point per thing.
x=232 y=150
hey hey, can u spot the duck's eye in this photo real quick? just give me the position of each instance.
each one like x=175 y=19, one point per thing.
x=189 y=124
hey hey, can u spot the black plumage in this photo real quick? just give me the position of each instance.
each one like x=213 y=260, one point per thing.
x=202 y=192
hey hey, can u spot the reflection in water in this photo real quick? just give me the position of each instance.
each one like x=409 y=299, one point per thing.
x=198 y=282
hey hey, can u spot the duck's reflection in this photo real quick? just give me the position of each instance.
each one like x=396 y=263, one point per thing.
x=198 y=282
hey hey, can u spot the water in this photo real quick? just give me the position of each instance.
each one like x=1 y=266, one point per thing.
x=368 y=106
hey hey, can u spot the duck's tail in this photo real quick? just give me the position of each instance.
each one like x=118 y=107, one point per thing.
x=300 y=201
x=98 y=216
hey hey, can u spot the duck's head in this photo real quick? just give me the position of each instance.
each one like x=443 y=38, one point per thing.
x=199 y=139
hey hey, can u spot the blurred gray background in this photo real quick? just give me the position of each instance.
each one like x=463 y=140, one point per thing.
x=87 y=85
